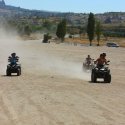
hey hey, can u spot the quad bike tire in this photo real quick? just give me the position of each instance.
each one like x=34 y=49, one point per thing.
x=93 y=77
x=107 y=78
x=18 y=72
x=8 y=73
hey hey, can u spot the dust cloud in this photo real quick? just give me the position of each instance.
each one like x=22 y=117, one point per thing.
x=8 y=44
x=34 y=60
x=55 y=64
x=69 y=69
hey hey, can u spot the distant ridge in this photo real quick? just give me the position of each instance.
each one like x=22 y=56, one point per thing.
x=12 y=12
x=2 y=3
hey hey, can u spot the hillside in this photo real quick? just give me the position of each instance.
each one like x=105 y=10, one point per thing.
x=113 y=23
x=8 y=11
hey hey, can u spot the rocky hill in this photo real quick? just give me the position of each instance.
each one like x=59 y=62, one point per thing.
x=9 y=12
x=113 y=22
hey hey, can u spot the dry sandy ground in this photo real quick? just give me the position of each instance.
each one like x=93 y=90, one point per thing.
x=53 y=89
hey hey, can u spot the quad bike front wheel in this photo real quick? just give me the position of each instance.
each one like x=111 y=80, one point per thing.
x=8 y=73
x=107 y=78
x=18 y=72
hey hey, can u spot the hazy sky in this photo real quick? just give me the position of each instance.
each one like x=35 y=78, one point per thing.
x=95 y=6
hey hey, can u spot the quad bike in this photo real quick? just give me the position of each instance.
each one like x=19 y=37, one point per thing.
x=88 y=65
x=101 y=71
x=13 y=67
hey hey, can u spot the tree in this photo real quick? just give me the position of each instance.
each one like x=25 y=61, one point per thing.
x=91 y=27
x=98 y=31
x=61 y=30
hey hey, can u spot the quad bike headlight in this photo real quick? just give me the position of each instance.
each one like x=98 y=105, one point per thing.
x=96 y=68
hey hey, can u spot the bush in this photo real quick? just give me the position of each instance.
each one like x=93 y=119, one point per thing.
x=46 y=38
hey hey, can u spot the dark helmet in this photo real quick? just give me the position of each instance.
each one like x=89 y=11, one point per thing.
x=13 y=54
x=101 y=54
x=104 y=54
x=88 y=56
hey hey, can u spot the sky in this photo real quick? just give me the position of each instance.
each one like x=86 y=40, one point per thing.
x=77 y=6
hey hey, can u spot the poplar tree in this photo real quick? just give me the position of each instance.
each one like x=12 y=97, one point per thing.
x=98 y=32
x=61 y=30
x=91 y=27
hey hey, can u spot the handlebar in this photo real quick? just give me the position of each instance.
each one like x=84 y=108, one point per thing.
x=16 y=59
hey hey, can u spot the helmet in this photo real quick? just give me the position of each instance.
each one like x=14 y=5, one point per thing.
x=101 y=54
x=104 y=54
x=88 y=56
x=13 y=54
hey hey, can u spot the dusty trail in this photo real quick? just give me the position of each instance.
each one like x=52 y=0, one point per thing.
x=53 y=89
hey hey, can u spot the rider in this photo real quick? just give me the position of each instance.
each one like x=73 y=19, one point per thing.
x=101 y=60
x=13 y=59
x=88 y=60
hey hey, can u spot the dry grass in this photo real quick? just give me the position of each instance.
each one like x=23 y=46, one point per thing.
x=84 y=41
x=120 y=41
x=31 y=37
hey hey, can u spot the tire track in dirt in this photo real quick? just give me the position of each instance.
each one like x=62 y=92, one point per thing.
x=73 y=111
x=42 y=110
x=114 y=114
x=102 y=107
x=47 y=119
x=8 y=109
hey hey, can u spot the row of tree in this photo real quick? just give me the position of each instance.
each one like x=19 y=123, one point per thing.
x=93 y=27
x=26 y=26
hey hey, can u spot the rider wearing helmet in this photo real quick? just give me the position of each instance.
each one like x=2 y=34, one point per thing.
x=13 y=59
x=104 y=55
x=13 y=55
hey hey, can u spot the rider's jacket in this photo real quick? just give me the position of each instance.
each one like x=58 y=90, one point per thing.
x=13 y=60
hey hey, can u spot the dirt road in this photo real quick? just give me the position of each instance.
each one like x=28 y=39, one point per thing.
x=53 y=89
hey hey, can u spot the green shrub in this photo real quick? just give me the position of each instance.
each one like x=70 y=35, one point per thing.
x=46 y=38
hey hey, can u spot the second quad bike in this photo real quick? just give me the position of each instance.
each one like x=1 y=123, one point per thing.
x=88 y=65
